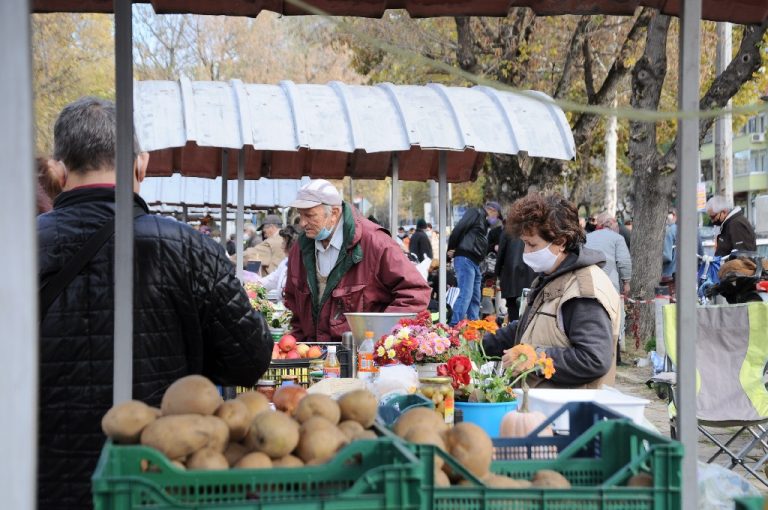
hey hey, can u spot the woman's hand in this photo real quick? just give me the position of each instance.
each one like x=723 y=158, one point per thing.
x=506 y=361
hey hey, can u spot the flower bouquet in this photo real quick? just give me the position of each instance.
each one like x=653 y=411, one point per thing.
x=416 y=341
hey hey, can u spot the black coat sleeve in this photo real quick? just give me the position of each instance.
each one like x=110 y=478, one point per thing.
x=462 y=227
x=237 y=342
x=504 y=338
x=590 y=356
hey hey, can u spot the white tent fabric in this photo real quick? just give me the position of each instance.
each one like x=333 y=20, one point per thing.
x=199 y=192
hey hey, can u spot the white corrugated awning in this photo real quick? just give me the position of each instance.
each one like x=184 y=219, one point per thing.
x=334 y=130
x=197 y=192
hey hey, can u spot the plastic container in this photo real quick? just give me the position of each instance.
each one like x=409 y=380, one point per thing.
x=486 y=415
x=331 y=367
x=365 y=475
x=547 y=401
x=751 y=503
x=366 y=368
x=301 y=368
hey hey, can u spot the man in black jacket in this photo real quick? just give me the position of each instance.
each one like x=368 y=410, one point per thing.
x=468 y=245
x=420 y=245
x=736 y=233
x=514 y=274
x=191 y=315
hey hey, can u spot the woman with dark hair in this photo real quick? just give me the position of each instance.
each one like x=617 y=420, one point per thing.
x=572 y=310
x=276 y=279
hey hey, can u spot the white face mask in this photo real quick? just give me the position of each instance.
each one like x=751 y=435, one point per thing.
x=541 y=260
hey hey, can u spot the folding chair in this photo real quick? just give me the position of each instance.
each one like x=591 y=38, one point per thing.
x=732 y=352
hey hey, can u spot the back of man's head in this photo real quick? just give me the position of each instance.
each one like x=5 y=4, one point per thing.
x=718 y=204
x=605 y=220
x=84 y=136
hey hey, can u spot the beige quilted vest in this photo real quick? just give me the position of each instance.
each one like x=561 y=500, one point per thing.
x=544 y=328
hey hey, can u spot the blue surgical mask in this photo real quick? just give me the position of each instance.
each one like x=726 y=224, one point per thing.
x=323 y=234
x=492 y=220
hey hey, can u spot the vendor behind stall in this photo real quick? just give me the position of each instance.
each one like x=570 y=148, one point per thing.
x=344 y=263
x=572 y=310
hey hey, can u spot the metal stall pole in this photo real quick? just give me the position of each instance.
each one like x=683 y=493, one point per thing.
x=224 y=199
x=687 y=176
x=393 y=206
x=18 y=294
x=442 y=206
x=123 y=341
x=239 y=216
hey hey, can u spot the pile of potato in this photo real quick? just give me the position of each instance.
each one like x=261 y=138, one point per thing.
x=468 y=444
x=196 y=429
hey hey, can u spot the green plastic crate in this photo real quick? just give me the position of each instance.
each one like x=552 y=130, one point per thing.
x=751 y=503
x=598 y=464
x=367 y=474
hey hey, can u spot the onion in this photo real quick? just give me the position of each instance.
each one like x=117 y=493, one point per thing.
x=286 y=398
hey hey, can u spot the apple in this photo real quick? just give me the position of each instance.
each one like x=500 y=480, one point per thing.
x=314 y=352
x=287 y=343
x=302 y=349
x=293 y=354
x=275 y=352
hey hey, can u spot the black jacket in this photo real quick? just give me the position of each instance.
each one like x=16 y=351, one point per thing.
x=191 y=315
x=736 y=233
x=585 y=322
x=515 y=275
x=494 y=237
x=420 y=245
x=468 y=237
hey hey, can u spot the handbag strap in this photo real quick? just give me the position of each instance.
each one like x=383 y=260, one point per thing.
x=54 y=285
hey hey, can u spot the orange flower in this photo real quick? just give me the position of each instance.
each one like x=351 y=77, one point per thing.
x=470 y=335
x=523 y=357
x=547 y=365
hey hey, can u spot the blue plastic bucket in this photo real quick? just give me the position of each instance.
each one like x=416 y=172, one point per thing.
x=486 y=415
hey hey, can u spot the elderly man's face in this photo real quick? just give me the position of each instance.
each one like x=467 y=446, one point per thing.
x=314 y=219
x=270 y=230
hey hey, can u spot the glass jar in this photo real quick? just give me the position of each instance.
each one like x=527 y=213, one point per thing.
x=288 y=380
x=440 y=392
x=315 y=371
x=266 y=388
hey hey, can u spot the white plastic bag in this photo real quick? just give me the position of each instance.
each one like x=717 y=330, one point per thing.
x=423 y=268
x=718 y=487
x=395 y=380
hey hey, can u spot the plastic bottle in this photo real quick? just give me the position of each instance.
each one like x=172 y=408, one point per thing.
x=331 y=367
x=366 y=368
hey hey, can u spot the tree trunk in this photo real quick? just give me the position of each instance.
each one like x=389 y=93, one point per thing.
x=611 y=139
x=652 y=190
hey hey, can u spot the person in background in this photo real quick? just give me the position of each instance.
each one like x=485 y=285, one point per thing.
x=618 y=263
x=191 y=315
x=434 y=241
x=344 y=263
x=628 y=224
x=420 y=245
x=250 y=236
x=45 y=178
x=591 y=225
x=669 y=252
x=736 y=233
x=514 y=274
x=270 y=251
x=231 y=247
x=495 y=225
x=276 y=279
x=625 y=231
x=572 y=311
x=468 y=245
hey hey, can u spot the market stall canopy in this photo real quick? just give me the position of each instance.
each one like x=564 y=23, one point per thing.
x=196 y=192
x=336 y=130
x=736 y=11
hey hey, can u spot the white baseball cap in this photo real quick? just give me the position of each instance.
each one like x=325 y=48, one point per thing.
x=316 y=192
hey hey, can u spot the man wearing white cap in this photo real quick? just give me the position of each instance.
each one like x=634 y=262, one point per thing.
x=344 y=263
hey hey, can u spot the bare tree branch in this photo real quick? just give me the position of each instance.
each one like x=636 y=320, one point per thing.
x=571 y=56
x=465 y=49
x=589 y=80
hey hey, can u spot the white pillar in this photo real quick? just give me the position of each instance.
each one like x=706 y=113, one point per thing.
x=723 y=162
x=224 y=197
x=18 y=294
x=687 y=176
x=442 y=207
x=611 y=139
x=123 y=341
x=395 y=196
x=240 y=214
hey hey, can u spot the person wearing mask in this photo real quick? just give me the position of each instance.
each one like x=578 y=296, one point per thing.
x=250 y=237
x=468 y=245
x=495 y=226
x=420 y=246
x=736 y=233
x=344 y=263
x=572 y=311
x=191 y=315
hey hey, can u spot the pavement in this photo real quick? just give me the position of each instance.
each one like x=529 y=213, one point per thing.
x=631 y=380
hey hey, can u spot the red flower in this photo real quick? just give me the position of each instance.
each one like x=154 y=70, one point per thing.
x=252 y=294
x=458 y=367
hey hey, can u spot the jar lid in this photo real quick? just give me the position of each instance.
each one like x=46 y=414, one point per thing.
x=435 y=380
x=265 y=382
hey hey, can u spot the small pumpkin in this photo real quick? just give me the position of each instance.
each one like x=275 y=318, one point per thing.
x=521 y=422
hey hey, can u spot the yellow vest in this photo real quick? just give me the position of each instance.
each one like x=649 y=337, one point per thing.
x=544 y=327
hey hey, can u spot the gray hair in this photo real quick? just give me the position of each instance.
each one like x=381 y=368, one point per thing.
x=85 y=137
x=719 y=203
x=604 y=218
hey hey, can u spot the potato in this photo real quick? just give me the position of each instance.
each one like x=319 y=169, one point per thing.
x=237 y=417
x=274 y=433
x=219 y=433
x=640 y=480
x=350 y=428
x=193 y=394
x=360 y=406
x=317 y=405
x=419 y=416
x=124 y=422
x=504 y=482
x=254 y=401
x=287 y=462
x=441 y=479
x=235 y=452
x=254 y=460
x=550 y=479
x=207 y=459
x=471 y=446
x=178 y=435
